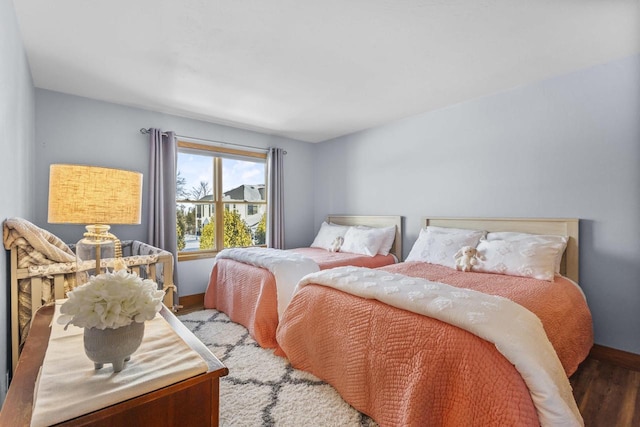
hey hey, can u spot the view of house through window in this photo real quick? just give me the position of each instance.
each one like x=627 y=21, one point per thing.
x=220 y=199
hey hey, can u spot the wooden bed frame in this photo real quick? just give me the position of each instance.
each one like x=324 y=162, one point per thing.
x=554 y=226
x=374 y=221
x=375 y=360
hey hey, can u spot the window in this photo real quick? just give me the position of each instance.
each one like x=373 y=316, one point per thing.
x=220 y=199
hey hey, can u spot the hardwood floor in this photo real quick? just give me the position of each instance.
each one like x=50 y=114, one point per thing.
x=190 y=303
x=607 y=394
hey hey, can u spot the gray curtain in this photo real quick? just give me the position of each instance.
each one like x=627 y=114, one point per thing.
x=275 y=186
x=162 y=194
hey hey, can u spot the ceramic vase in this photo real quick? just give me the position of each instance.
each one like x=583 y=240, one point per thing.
x=113 y=346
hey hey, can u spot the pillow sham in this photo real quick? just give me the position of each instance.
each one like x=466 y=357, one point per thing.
x=534 y=238
x=363 y=240
x=328 y=234
x=438 y=245
x=387 y=239
x=420 y=245
x=518 y=254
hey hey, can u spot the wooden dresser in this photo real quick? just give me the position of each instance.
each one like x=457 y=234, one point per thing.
x=191 y=402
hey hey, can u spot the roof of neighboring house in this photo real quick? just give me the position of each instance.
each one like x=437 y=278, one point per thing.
x=242 y=193
x=246 y=193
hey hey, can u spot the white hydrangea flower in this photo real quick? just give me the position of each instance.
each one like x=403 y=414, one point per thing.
x=112 y=300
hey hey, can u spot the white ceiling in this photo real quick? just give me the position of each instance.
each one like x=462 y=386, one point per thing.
x=314 y=70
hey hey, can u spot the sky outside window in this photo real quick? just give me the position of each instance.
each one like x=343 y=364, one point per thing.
x=195 y=169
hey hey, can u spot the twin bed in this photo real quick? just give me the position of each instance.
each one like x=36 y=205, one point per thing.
x=249 y=294
x=420 y=343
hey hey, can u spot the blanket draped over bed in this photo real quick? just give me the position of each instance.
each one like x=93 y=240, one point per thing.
x=248 y=294
x=287 y=267
x=405 y=368
x=516 y=332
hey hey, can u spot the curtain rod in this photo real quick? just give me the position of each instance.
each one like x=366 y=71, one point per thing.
x=147 y=131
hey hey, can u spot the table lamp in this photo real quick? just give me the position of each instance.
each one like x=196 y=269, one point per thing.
x=94 y=196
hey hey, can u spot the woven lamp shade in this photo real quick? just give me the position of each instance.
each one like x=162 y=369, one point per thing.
x=94 y=195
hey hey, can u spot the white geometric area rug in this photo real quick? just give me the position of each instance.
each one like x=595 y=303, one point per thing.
x=262 y=389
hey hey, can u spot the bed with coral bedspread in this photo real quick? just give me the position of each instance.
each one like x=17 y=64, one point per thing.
x=248 y=294
x=405 y=368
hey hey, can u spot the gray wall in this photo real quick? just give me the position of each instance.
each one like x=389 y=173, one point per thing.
x=16 y=152
x=71 y=129
x=564 y=147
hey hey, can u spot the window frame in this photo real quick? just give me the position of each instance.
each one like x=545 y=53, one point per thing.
x=218 y=193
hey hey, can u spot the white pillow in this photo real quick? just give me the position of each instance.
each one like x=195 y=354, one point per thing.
x=518 y=254
x=388 y=237
x=534 y=238
x=438 y=245
x=363 y=240
x=327 y=235
x=418 y=248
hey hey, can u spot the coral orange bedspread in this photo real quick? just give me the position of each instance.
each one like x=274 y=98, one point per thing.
x=247 y=294
x=403 y=368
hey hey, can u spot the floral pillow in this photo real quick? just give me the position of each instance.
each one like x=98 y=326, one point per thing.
x=520 y=254
x=438 y=245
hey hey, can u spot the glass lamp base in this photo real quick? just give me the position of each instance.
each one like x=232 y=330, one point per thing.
x=93 y=252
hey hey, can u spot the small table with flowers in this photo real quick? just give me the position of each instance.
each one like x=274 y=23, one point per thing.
x=192 y=401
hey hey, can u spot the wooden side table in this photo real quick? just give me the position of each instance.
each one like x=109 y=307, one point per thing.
x=191 y=402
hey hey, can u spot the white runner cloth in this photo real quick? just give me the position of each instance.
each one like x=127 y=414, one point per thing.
x=68 y=385
x=516 y=332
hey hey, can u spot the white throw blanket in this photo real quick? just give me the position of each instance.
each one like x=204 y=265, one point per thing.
x=287 y=268
x=516 y=332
